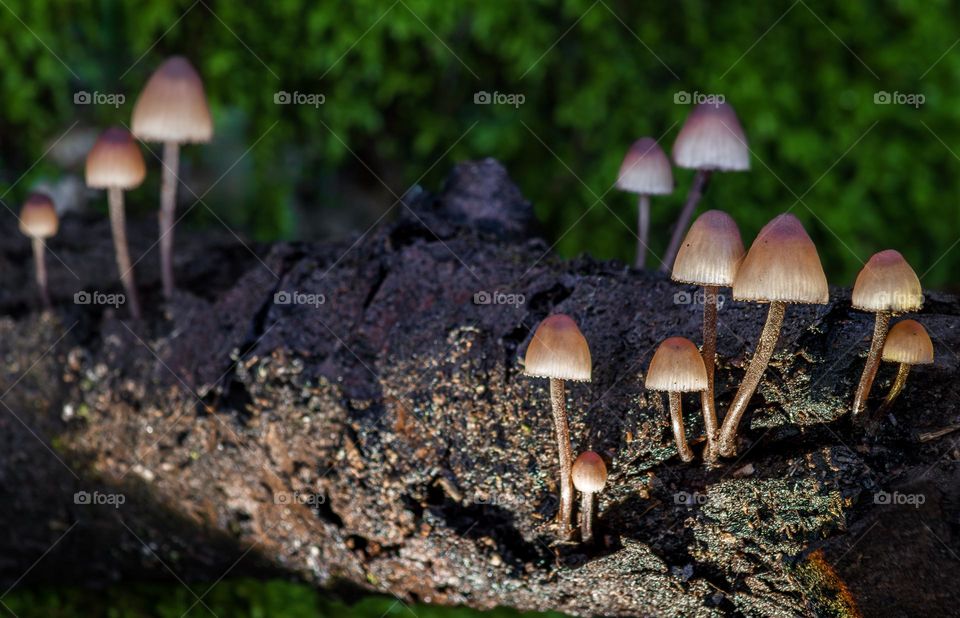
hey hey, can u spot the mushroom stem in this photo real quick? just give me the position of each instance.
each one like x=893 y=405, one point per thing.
x=40 y=262
x=676 y=420
x=119 y=227
x=697 y=190
x=586 y=517
x=880 y=327
x=643 y=230
x=559 y=406
x=895 y=389
x=709 y=352
x=168 y=205
x=758 y=364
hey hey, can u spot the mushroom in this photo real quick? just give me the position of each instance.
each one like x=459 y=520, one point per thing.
x=676 y=368
x=781 y=267
x=115 y=164
x=589 y=477
x=38 y=221
x=710 y=256
x=711 y=140
x=645 y=171
x=908 y=344
x=559 y=351
x=171 y=109
x=885 y=286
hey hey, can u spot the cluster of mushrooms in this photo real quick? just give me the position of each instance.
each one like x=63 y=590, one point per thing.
x=782 y=267
x=173 y=110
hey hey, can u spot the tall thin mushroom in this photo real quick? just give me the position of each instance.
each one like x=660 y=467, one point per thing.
x=781 y=267
x=676 y=368
x=645 y=171
x=38 y=221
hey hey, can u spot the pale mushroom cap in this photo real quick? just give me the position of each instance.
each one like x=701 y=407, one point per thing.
x=712 y=139
x=38 y=217
x=677 y=367
x=115 y=161
x=908 y=342
x=558 y=350
x=646 y=169
x=887 y=283
x=173 y=106
x=712 y=251
x=589 y=473
x=782 y=265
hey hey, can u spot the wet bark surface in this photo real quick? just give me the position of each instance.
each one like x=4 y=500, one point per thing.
x=355 y=414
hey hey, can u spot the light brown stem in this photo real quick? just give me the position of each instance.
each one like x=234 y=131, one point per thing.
x=643 y=230
x=895 y=389
x=758 y=364
x=586 y=517
x=40 y=262
x=708 y=405
x=119 y=227
x=880 y=327
x=168 y=208
x=676 y=420
x=697 y=190
x=559 y=406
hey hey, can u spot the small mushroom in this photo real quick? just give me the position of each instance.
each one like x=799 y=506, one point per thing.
x=908 y=344
x=885 y=286
x=38 y=221
x=781 y=267
x=645 y=171
x=710 y=256
x=115 y=164
x=676 y=368
x=171 y=109
x=559 y=351
x=711 y=140
x=589 y=477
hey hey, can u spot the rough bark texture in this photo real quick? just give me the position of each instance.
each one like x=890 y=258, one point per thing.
x=386 y=439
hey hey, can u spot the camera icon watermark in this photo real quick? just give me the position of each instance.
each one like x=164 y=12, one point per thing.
x=313 y=99
x=913 y=99
x=83 y=297
x=482 y=97
x=86 y=498
x=897 y=498
x=682 y=97
x=296 y=297
x=484 y=297
x=685 y=498
x=298 y=497
x=113 y=99
x=698 y=297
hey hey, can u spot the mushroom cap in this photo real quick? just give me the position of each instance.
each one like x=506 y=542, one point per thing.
x=887 y=283
x=712 y=139
x=908 y=342
x=711 y=252
x=677 y=366
x=782 y=265
x=115 y=161
x=645 y=169
x=173 y=105
x=38 y=217
x=558 y=350
x=589 y=473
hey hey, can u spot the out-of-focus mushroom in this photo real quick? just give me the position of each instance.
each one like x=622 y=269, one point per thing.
x=645 y=171
x=38 y=221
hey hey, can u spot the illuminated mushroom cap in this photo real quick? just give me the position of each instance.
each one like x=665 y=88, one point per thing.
x=677 y=367
x=589 y=473
x=711 y=252
x=38 y=217
x=908 y=342
x=115 y=161
x=782 y=265
x=173 y=105
x=645 y=169
x=558 y=350
x=712 y=139
x=887 y=283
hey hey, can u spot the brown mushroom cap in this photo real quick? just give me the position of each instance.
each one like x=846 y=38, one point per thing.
x=712 y=139
x=173 y=106
x=115 y=161
x=589 y=473
x=38 y=217
x=558 y=350
x=677 y=367
x=782 y=265
x=887 y=283
x=711 y=252
x=908 y=342
x=645 y=169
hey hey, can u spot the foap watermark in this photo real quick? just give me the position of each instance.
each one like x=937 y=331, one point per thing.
x=314 y=99
x=298 y=298
x=496 y=499
x=298 y=497
x=96 y=498
x=482 y=97
x=686 y=498
x=114 y=99
x=887 y=498
x=913 y=99
x=698 y=297
x=83 y=297
x=683 y=97
x=484 y=297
